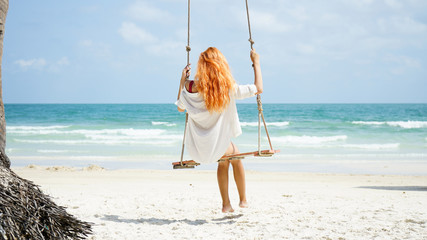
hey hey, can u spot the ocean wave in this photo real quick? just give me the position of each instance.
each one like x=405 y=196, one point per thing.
x=308 y=139
x=133 y=138
x=409 y=124
x=85 y=132
x=37 y=128
x=36 y=132
x=402 y=124
x=163 y=123
x=120 y=132
x=373 y=146
x=329 y=142
x=10 y=150
x=368 y=122
x=93 y=136
x=52 y=151
x=109 y=142
x=255 y=124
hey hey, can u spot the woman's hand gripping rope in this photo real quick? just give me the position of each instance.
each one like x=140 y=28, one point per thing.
x=257 y=71
x=184 y=76
x=186 y=72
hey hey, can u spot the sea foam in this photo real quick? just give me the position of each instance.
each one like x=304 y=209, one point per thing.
x=255 y=124
x=93 y=136
x=36 y=127
x=308 y=139
x=402 y=124
x=163 y=123
x=373 y=146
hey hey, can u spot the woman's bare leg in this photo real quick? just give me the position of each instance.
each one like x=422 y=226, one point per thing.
x=222 y=176
x=239 y=178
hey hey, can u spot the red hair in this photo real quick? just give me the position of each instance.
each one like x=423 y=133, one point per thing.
x=213 y=79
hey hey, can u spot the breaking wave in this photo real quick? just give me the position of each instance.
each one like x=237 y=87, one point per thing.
x=308 y=139
x=402 y=124
x=255 y=124
x=163 y=123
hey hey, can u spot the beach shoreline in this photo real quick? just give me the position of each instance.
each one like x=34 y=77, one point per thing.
x=184 y=204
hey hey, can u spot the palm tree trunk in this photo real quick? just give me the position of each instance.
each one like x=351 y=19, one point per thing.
x=4 y=160
x=25 y=211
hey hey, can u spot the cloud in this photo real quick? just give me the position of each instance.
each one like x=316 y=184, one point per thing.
x=164 y=48
x=402 y=63
x=360 y=3
x=401 y=25
x=86 y=43
x=145 y=12
x=98 y=49
x=299 y=13
x=135 y=35
x=41 y=64
x=58 y=65
x=305 y=48
x=393 y=4
x=269 y=22
x=404 y=60
x=63 y=62
x=37 y=63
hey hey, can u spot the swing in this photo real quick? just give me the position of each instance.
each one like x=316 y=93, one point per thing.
x=260 y=153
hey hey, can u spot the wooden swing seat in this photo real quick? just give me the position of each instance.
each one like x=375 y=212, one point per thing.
x=264 y=153
x=185 y=164
x=239 y=156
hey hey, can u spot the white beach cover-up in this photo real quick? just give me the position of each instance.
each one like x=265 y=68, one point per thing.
x=209 y=134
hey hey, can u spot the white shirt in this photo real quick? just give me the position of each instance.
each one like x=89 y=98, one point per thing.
x=209 y=134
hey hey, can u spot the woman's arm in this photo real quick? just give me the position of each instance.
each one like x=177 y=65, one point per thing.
x=184 y=76
x=257 y=71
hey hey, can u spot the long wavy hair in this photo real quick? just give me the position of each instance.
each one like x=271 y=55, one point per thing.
x=213 y=79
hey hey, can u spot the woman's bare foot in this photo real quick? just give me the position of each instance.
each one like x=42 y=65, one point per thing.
x=227 y=208
x=243 y=204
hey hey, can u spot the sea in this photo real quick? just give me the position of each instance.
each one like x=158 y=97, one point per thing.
x=325 y=138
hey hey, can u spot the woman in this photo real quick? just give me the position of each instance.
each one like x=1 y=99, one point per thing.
x=213 y=120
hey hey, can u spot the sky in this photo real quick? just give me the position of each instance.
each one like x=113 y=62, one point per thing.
x=133 y=51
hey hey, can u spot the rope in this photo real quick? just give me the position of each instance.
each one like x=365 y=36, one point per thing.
x=258 y=98
x=183 y=140
x=260 y=110
x=261 y=116
x=249 y=26
x=188 y=49
x=258 y=101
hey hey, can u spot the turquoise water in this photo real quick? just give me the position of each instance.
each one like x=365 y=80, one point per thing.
x=346 y=138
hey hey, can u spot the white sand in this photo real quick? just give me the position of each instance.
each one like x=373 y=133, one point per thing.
x=185 y=204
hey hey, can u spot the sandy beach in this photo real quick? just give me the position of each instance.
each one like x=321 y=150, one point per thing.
x=185 y=204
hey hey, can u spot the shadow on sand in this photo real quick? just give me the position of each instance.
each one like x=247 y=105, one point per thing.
x=153 y=221
x=228 y=217
x=398 y=188
x=158 y=221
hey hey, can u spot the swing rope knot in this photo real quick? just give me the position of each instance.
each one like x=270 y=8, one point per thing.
x=252 y=44
x=258 y=100
x=188 y=48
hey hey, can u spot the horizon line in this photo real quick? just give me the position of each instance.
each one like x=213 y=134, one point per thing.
x=106 y=103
